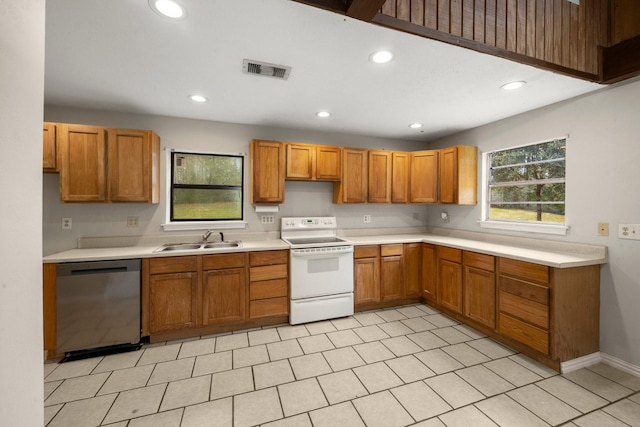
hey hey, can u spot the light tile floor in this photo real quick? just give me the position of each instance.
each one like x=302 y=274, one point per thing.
x=396 y=367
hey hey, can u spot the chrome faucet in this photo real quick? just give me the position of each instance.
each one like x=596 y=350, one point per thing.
x=221 y=236
x=206 y=235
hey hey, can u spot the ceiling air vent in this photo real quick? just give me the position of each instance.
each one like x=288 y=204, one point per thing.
x=265 y=69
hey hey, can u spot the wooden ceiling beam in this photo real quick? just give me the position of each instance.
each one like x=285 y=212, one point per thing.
x=364 y=10
x=621 y=61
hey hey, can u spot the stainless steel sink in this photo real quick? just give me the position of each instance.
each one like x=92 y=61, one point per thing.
x=197 y=246
x=218 y=245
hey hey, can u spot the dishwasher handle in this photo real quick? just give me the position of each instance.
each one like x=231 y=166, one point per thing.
x=98 y=267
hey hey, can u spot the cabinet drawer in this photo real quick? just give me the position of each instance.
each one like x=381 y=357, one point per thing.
x=268 y=289
x=269 y=307
x=268 y=258
x=530 y=291
x=218 y=261
x=268 y=272
x=481 y=261
x=391 y=250
x=450 y=254
x=173 y=264
x=369 y=251
x=525 y=333
x=525 y=270
x=530 y=311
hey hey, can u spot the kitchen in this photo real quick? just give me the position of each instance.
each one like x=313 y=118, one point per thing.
x=581 y=118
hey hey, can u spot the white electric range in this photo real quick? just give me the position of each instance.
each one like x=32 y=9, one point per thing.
x=321 y=269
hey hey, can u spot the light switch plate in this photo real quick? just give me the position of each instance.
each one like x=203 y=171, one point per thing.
x=267 y=219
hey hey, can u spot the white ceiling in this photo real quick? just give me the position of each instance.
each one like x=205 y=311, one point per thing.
x=122 y=56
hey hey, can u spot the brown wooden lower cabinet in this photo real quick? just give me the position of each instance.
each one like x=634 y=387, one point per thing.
x=449 y=278
x=268 y=286
x=479 y=288
x=391 y=272
x=196 y=295
x=550 y=314
x=366 y=273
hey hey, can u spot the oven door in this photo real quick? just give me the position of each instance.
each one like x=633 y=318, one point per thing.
x=321 y=271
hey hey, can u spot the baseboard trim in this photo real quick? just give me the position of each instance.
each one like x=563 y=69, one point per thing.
x=621 y=364
x=580 y=362
x=593 y=358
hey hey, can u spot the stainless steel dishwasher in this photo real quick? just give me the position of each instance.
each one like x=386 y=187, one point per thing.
x=98 y=307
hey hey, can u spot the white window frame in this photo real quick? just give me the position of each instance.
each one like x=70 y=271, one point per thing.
x=522 y=226
x=199 y=225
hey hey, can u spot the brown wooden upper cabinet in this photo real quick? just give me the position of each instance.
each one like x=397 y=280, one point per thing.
x=380 y=176
x=267 y=171
x=353 y=188
x=310 y=162
x=424 y=176
x=99 y=164
x=458 y=175
x=134 y=166
x=400 y=167
x=49 y=152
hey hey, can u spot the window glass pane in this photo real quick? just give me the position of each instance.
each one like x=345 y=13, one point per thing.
x=529 y=193
x=530 y=153
x=524 y=172
x=203 y=204
x=204 y=169
x=550 y=213
x=528 y=183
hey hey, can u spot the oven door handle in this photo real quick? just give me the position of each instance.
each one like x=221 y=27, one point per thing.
x=320 y=255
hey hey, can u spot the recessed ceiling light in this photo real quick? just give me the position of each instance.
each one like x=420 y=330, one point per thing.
x=381 y=57
x=415 y=125
x=198 y=98
x=323 y=114
x=168 y=8
x=513 y=85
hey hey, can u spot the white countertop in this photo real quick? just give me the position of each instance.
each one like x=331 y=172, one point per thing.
x=582 y=255
x=128 y=252
x=545 y=252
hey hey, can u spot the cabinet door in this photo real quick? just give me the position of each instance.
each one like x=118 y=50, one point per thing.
x=379 y=176
x=429 y=272
x=367 y=280
x=49 y=160
x=391 y=278
x=300 y=161
x=353 y=187
x=412 y=268
x=224 y=296
x=328 y=163
x=480 y=296
x=267 y=171
x=424 y=177
x=448 y=174
x=173 y=301
x=83 y=169
x=400 y=165
x=133 y=172
x=450 y=285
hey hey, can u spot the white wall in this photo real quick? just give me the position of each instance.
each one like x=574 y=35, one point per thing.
x=301 y=198
x=603 y=174
x=21 y=93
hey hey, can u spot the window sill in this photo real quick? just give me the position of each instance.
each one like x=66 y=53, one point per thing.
x=526 y=227
x=200 y=225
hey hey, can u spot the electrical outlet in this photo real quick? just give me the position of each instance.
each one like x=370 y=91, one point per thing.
x=603 y=229
x=66 y=224
x=629 y=231
x=267 y=219
x=366 y=219
x=132 y=221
